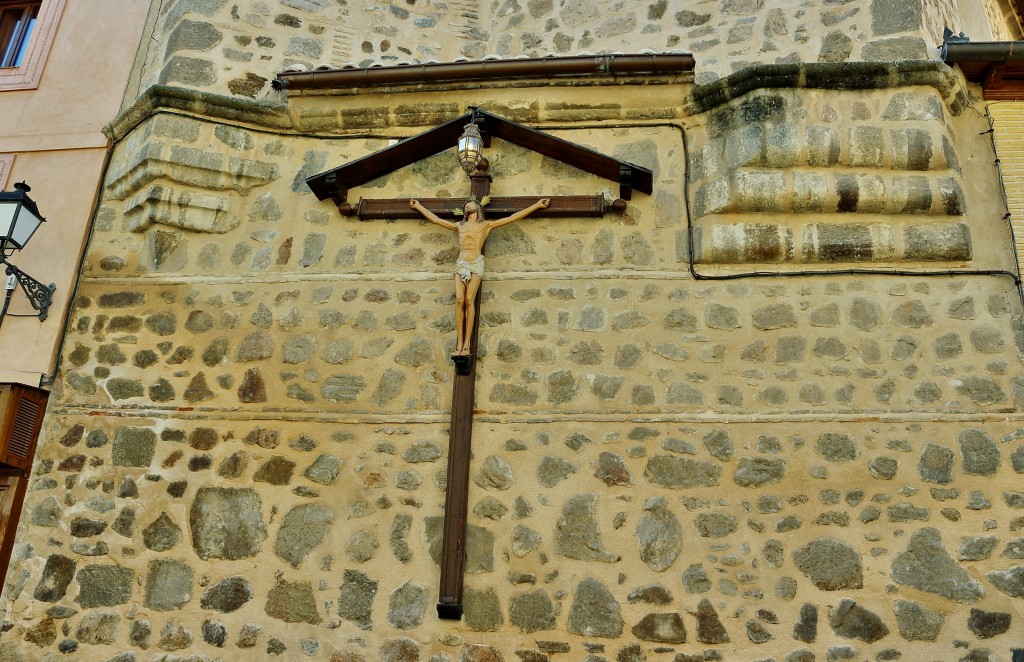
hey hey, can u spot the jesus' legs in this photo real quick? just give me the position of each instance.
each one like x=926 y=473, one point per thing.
x=470 y=317
x=460 y=313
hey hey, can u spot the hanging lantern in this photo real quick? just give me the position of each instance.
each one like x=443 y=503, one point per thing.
x=19 y=219
x=471 y=147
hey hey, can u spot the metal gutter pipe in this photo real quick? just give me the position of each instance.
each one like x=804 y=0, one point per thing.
x=546 y=67
x=985 y=51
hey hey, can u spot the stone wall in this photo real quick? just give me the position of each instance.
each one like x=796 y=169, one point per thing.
x=1002 y=21
x=245 y=454
x=235 y=48
x=649 y=535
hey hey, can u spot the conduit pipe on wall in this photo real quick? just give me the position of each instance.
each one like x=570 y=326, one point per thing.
x=545 y=67
x=605 y=65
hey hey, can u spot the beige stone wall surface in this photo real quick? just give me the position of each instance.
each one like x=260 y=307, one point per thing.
x=1001 y=20
x=246 y=452
x=726 y=459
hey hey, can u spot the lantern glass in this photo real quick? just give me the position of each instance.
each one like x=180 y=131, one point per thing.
x=8 y=213
x=470 y=149
x=19 y=219
x=25 y=225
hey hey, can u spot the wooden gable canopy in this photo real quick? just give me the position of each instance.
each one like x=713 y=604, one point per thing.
x=336 y=183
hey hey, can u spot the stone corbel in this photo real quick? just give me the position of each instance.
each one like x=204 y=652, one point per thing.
x=188 y=209
x=191 y=167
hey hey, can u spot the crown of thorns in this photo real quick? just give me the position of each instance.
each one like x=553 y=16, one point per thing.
x=483 y=203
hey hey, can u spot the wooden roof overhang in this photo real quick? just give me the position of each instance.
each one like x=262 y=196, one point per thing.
x=998 y=66
x=336 y=183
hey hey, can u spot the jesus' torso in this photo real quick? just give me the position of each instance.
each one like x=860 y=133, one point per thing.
x=472 y=235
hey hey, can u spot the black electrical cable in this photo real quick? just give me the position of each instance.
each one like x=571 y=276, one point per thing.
x=854 y=271
x=824 y=272
x=47 y=380
x=1008 y=216
x=7 y=302
x=691 y=257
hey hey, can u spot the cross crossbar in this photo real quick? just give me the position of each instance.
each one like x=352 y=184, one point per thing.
x=566 y=206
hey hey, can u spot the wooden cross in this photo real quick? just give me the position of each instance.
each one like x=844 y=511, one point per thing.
x=456 y=508
x=334 y=184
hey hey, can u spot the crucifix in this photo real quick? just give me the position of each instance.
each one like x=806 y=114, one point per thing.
x=469 y=266
x=473 y=229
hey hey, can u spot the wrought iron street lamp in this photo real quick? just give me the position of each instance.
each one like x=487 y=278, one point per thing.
x=19 y=220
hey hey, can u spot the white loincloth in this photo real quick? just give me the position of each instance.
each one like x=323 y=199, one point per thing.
x=465 y=269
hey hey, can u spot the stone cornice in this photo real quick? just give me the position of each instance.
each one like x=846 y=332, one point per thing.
x=830 y=76
x=701 y=99
x=201 y=104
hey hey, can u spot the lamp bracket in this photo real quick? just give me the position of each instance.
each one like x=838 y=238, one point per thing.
x=481 y=123
x=338 y=194
x=39 y=295
x=625 y=182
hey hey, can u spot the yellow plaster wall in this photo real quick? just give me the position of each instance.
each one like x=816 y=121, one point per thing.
x=56 y=135
x=1008 y=117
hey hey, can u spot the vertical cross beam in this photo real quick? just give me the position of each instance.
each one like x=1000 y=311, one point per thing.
x=460 y=437
x=456 y=498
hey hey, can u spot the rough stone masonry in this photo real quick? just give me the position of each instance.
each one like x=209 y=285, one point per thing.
x=245 y=454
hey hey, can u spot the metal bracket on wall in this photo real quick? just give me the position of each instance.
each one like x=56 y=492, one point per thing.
x=39 y=295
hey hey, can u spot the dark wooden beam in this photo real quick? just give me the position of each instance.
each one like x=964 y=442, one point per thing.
x=383 y=162
x=993 y=77
x=460 y=443
x=336 y=183
x=1008 y=90
x=564 y=206
x=456 y=494
x=639 y=178
x=669 y=64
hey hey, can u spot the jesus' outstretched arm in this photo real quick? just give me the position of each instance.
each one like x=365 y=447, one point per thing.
x=431 y=216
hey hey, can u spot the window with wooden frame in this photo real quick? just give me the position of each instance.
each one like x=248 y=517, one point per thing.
x=6 y=161
x=17 y=21
x=26 y=34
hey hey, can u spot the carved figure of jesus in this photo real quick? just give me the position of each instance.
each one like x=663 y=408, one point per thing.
x=469 y=267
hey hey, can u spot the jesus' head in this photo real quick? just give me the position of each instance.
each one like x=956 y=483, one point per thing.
x=473 y=207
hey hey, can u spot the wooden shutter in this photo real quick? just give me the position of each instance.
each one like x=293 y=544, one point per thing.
x=21 y=417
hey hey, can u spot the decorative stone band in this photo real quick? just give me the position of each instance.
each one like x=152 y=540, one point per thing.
x=173 y=172
x=162 y=98
x=737 y=243
x=189 y=209
x=702 y=99
x=870 y=154
x=747 y=191
x=778 y=141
